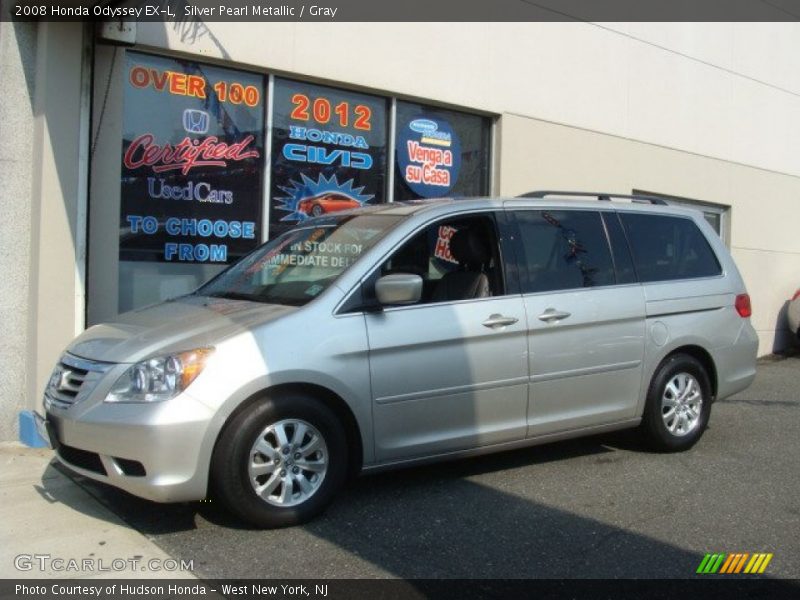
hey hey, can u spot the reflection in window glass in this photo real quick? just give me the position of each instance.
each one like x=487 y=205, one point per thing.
x=297 y=266
x=564 y=250
x=623 y=262
x=440 y=153
x=667 y=248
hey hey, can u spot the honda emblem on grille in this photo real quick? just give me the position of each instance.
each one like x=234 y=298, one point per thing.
x=63 y=382
x=195 y=121
x=55 y=378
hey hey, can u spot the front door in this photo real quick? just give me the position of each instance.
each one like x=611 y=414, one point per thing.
x=450 y=372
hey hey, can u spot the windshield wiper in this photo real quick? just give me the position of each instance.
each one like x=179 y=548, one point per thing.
x=287 y=301
x=238 y=296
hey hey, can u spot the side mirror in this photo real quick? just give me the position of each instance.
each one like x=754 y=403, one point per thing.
x=398 y=289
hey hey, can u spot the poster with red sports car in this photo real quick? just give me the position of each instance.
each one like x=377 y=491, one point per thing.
x=328 y=152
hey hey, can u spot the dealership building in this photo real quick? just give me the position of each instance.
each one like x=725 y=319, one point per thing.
x=138 y=159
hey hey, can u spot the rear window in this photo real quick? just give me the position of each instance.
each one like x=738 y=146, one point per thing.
x=666 y=248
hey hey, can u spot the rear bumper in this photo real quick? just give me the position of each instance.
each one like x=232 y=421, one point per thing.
x=736 y=364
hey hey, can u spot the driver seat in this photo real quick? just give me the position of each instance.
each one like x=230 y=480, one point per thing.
x=468 y=282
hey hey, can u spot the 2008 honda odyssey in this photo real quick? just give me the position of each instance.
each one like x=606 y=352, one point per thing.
x=408 y=332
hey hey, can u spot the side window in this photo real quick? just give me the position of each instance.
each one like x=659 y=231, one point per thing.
x=458 y=259
x=666 y=247
x=563 y=250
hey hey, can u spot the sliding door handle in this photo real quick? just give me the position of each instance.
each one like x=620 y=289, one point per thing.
x=496 y=320
x=551 y=315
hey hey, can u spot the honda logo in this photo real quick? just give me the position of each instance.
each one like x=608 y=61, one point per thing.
x=195 y=121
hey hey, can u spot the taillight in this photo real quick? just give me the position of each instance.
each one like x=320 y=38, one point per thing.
x=796 y=295
x=743 y=305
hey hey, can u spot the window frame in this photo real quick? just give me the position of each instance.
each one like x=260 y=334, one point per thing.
x=721 y=210
x=616 y=233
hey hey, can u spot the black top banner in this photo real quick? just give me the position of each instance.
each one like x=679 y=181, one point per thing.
x=406 y=11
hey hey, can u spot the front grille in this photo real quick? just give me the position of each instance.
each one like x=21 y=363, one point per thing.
x=72 y=380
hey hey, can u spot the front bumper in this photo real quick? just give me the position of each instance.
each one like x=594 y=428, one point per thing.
x=159 y=451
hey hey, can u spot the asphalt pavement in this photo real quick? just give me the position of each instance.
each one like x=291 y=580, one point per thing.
x=601 y=507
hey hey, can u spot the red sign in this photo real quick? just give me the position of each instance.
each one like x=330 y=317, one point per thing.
x=185 y=155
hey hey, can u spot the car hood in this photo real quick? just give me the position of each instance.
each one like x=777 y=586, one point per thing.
x=173 y=326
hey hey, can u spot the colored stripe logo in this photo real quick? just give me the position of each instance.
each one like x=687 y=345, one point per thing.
x=734 y=563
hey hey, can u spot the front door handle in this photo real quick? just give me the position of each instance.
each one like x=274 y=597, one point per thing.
x=551 y=315
x=497 y=320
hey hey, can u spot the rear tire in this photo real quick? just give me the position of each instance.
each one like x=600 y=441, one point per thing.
x=678 y=404
x=280 y=461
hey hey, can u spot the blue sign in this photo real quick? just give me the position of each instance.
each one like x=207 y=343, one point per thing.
x=428 y=155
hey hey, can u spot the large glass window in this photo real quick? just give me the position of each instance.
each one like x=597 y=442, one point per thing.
x=328 y=152
x=563 y=250
x=440 y=152
x=177 y=191
x=667 y=248
x=191 y=174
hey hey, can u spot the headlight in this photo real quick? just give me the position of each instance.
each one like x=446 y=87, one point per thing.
x=160 y=378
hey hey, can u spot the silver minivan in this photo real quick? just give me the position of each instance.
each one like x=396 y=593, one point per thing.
x=408 y=332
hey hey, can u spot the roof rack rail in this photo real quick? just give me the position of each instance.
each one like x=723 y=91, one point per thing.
x=599 y=195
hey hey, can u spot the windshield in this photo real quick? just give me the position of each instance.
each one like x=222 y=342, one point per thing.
x=297 y=266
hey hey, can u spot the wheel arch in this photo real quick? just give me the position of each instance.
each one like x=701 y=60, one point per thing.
x=325 y=395
x=703 y=357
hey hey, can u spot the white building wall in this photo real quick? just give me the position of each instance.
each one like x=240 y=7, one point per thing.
x=725 y=90
x=17 y=59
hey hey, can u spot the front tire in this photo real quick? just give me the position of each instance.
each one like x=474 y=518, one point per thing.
x=280 y=461
x=678 y=404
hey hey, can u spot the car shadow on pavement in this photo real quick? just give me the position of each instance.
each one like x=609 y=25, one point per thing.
x=143 y=515
x=154 y=518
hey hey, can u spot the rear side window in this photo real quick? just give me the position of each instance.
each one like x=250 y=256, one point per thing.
x=563 y=250
x=666 y=248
